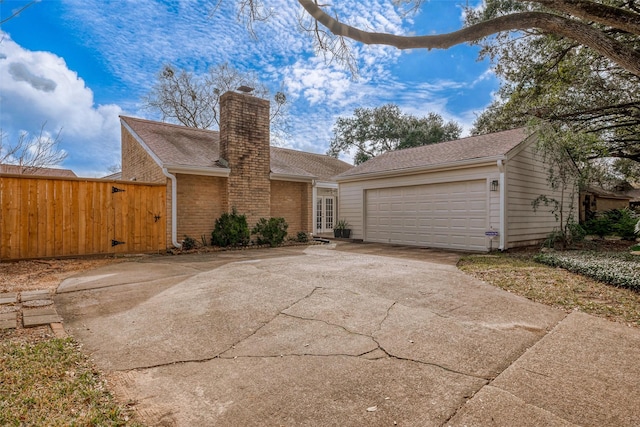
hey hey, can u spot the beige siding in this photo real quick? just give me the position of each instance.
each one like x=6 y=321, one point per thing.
x=526 y=177
x=351 y=194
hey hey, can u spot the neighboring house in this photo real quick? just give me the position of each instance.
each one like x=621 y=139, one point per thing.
x=595 y=200
x=116 y=176
x=634 y=199
x=208 y=173
x=453 y=195
x=28 y=170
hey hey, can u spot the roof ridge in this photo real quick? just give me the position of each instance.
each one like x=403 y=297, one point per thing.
x=156 y=122
x=301 y=151
x=465 y=138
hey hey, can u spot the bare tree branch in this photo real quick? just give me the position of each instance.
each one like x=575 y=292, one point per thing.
x=623 y=55
x=17 y=12
x=33 y=152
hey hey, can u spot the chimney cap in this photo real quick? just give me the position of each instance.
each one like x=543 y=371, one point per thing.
x=245 y=89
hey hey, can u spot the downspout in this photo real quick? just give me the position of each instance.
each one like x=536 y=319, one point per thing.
x=174 y=208
x=314 y=196
x=503 y=191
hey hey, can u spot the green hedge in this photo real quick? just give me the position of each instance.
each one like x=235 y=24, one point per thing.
x=618 y=269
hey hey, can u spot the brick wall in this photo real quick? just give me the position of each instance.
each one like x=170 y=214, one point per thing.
x=292 y=201
x=137 y=163
x=201 y=200
x=244 y=143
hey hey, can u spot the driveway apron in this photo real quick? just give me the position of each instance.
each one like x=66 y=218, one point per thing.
x=318 y=336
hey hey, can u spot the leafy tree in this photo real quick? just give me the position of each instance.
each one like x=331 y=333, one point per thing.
x=193 y=100
x=32 y=152
x=627 y=170
x=555 y=79
x=373 y=131
x=613 y=175
x=563 y=178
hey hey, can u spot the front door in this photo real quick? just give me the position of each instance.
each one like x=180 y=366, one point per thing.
x=325 y=213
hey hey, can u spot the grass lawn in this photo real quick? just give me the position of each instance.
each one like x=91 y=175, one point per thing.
x=554 y=286
x=51 y=383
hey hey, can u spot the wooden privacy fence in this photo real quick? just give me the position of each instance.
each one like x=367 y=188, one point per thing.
x=52 y=217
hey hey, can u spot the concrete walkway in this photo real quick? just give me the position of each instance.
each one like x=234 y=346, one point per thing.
x=351 y=335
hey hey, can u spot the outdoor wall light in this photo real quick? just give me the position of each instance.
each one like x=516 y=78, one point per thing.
x=494 y=185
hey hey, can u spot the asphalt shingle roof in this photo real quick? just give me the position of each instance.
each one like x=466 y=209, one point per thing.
x=178 y=145
x=474 y=147
x=318 y=165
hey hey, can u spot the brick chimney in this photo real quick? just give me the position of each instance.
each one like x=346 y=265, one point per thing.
x=244 y=144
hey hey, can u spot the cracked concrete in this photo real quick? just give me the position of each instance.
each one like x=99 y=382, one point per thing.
x=316 y=336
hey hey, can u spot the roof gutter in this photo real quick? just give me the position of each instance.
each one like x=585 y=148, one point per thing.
x=326 y=184
x=174 y=208
x=432 y=168
x=287 y=177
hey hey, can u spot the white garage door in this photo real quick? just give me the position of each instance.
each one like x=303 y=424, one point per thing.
x=450 y=215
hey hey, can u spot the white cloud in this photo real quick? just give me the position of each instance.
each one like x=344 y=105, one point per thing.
x=38 y=87
x=318 y=82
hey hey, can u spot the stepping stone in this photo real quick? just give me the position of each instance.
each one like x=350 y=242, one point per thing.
x=9 y=320
x=8 y=298
x=40 y=316
x=37 y=303
x=58 y=330
x=33 y=295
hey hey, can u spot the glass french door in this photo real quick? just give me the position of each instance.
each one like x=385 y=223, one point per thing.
x=325 y=213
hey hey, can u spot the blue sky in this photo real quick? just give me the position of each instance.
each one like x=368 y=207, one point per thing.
x=78 y=64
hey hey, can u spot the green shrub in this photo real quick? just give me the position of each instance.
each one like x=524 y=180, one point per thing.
x=621 y=222
x=302 y=237
x=576 y=231
x=188 y=243
x=270 y=231
x=573 y=233
x=625 y=223
x=231 y=229
x=600 y=226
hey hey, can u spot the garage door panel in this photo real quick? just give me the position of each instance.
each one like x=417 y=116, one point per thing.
x=450 y=215
x=459 y=223
x=477 y=224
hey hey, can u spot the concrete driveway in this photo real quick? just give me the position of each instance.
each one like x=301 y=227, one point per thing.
x=353 y=335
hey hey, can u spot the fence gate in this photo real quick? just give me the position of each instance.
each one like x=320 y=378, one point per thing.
x=52 y=217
